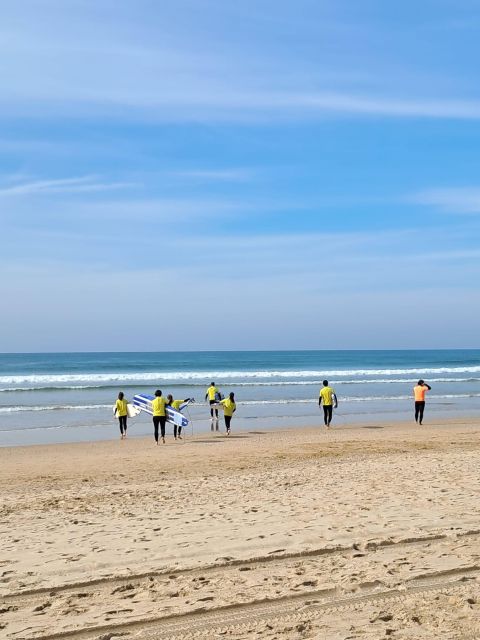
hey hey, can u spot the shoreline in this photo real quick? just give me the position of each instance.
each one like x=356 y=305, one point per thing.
x=467 y=420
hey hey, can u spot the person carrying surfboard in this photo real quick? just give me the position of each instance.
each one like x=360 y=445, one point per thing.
x=121 y=413
x=212 y=395
x=159 y=415
x=229 y=408
x=329 y=399
x=176 y=404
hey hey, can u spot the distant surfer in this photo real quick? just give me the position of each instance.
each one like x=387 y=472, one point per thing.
x=419 y=392
x=176 y=404
x=213 y=396
x=159 y=415
x=121 y=413
x=329 y=399
x=229 y=408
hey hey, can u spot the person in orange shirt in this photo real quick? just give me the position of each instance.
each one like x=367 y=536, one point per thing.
x=419 y=392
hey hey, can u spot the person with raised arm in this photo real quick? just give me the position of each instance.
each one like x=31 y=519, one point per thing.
x=419 y=392
x=176 y=404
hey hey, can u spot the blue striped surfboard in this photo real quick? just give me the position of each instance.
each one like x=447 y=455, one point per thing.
x=144 y=402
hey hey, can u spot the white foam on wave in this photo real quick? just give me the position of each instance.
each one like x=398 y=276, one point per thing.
x=207 y=376
x=271 y=383
x=67 y=407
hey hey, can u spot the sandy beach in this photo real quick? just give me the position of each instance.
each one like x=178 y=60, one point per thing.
x=364 y=532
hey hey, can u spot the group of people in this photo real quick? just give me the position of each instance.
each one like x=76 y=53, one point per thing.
x=159 y=411
x=214 y=398
x=327 y=399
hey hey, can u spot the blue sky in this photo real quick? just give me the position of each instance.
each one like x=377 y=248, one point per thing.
x=209 y=174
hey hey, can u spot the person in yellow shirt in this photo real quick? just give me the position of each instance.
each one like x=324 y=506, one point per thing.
x=176 y=404
x=229 y=408
x=329 y=399
x=121 y=413
x=159 y=415
x=212 y=395
x=419 y=392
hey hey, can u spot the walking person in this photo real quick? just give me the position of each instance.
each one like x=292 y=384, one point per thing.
x=176 y=404
x=229 y=408
x=121 y=413
x=419 y=392
x=329 y=399
x=159 y=415
x=213 y=397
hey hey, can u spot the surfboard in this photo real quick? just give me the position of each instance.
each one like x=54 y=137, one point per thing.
x=132 y=410
x=143 y=402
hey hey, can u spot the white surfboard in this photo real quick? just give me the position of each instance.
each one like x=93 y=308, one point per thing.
x=143 y=402
x=132 y=410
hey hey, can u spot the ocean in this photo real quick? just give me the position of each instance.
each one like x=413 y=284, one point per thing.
x=68 y=397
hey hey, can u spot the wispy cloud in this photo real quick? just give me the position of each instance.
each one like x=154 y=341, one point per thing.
x=83 y=184
x=213 y=175
x=76 y=71
x=455 y=200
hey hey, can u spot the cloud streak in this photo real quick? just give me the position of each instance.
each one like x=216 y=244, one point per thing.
x=213 y=175
x=83 y=184
x=454 y=200
x=77 y=73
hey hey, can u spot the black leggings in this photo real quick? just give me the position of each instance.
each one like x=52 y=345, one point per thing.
x=228 y=419
x=419 y=409
x=159 y=420
x=175 y=428
x=327 y=414
x=212 y=409
x=122 y=421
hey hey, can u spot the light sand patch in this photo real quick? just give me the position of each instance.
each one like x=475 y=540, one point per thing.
x=107 y=535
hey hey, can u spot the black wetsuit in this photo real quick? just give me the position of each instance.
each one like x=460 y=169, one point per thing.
x=419 y=409
x=122 y=421
x=327 y=414
x=159 y=420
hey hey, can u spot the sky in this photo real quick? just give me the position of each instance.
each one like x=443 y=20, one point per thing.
x=215 y=174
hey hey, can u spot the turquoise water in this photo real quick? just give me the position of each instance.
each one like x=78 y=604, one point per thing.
x=65 y=397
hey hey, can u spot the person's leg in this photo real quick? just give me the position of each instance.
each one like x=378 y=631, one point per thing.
x=417 y=410
x=175 y=431
x=120 y=424
x=163 y=420
x=124 y=426
x=179 y=433
x=156 y=422
x=227 y=423
x=329 y=414
x=211 y=407
x=420 y=413
x=325 y=415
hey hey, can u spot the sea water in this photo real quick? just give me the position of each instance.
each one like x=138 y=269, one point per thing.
x=68 y=397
